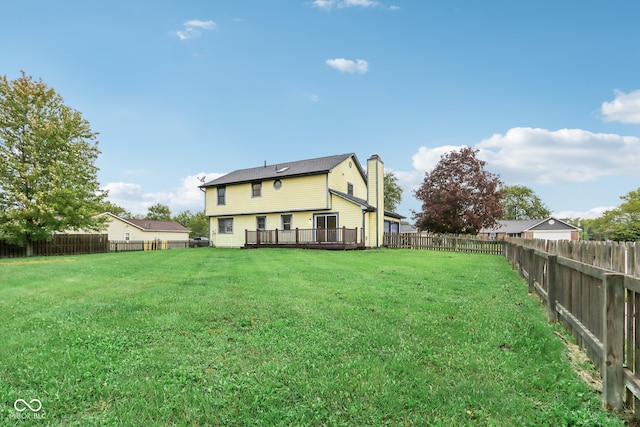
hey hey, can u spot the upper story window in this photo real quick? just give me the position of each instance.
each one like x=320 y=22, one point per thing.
x=222 y=191
x=349 y=188
x=256 y=189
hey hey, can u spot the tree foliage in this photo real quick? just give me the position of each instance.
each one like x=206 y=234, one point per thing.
x=459 y=195
x=620 y=224
x=159 y=212
x=520 y=202
x=119 y=211
x=48 y=177
x=392 y=192
x=197 y=223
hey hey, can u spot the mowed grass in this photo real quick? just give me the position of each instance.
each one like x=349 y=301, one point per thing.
x=206 y=337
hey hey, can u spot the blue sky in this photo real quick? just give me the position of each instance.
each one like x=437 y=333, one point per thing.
x=548 y=91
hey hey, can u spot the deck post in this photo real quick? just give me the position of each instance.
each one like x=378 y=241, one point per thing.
x=276 y=236
x=344 y=234
x=246 y=236
x=296 y=235
x=257 y=236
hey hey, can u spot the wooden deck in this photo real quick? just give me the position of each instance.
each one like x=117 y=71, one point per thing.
x=341 y=239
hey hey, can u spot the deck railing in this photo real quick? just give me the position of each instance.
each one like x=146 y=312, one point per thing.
x=304 y=236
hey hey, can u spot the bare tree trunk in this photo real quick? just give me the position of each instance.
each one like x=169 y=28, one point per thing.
x=29 y=248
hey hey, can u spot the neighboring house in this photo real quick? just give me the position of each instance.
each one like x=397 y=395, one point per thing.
x=121 y=229
x=326 y=193
x=548 y=229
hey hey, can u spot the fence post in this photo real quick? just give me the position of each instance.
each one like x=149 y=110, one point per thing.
x=613 y=341
x=552 y=288
x=530 y=269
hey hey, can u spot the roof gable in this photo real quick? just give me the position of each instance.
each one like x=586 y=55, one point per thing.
x=281 y=170
x=552 y=223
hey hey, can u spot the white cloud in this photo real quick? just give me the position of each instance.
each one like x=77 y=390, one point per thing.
x=193 y=28
x=205 y=25
x=358 y=66
x=427 y=158
x=185 y=196
x=535 y=157
x=562 y=156
x=314 y=98
x=590 y=214
x=625 y=108
x=343 y=4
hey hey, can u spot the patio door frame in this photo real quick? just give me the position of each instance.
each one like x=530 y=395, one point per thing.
x=326 y=227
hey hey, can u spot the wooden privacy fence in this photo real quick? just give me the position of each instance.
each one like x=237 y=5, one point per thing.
x=60 y=244
x=439 y=242
x=599 y=306
x=620 y=257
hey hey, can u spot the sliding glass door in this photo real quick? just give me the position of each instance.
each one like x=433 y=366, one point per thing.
x=326 y=226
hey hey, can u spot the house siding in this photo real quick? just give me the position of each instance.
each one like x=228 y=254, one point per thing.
x=342 y=175
x=296 y=193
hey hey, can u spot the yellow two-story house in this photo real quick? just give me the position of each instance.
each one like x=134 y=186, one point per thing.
x=314 y=202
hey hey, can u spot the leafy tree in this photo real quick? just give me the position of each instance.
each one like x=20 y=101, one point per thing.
x=622 y=223
x=520 y=202
x=108 y=206
x=392 y=191
x=458 y=195
x=197 y=223
x=48 y=177
x=159 y=212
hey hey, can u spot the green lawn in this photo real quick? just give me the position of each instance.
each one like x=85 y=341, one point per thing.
x=201 y=337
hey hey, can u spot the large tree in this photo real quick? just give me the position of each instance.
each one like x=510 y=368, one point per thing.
x=48 y=177
x=198 y=223
x=159 y=212
x=459 y=195
x=622 y=223
x=392 y=191
x=520 y=202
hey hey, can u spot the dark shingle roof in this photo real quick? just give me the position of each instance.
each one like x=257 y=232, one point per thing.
x=522 y=225
x=157 y=225
x=281 y=170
